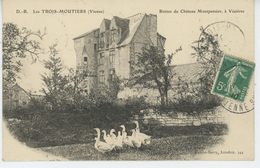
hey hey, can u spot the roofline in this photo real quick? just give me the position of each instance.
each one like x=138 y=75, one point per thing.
x=184 y=64
x=161 y=35
x=82 y=35
x=28 y=94
x=137 y=27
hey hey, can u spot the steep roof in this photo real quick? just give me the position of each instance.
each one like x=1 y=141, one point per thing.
x=16 y=86
x=158 y=34
x=82 y=35
x=29 y=93
x=129 y=27
x=186 y=73
x=189 y=73
x=107 y=23
x=122 y=23
x=134 y=23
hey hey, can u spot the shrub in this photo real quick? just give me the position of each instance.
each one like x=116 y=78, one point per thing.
x=188 y=104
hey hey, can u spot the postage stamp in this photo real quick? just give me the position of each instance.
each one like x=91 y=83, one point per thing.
x=233 y=78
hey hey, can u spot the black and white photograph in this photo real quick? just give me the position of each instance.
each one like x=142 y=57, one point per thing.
x=128 y=80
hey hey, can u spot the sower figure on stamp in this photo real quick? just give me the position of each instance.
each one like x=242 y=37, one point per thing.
x=233 y=74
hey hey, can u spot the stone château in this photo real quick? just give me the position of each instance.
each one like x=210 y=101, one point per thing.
x=108 y=50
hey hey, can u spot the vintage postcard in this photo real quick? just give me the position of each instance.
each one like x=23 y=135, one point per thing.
x=128 y=80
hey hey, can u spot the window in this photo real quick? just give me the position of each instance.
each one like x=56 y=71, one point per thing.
x=102 y=34
x=112 y=56
x=102 y=40
x=112 y=74
x=101 y=59
x=101 y=77
x=102 y=43
x=113 y=35
x=85 y=60
x=95 y=47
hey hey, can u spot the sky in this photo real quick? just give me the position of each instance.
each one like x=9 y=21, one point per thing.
x=180 y=29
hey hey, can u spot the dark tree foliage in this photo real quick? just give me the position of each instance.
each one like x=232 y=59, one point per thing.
x=152 y=71
x=17 y=44
x=208 y=54
x=55 y=81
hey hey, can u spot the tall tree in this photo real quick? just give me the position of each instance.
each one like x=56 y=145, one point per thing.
x=17 y=44
x=208 y=54
x=152 y=71
x=54 y=81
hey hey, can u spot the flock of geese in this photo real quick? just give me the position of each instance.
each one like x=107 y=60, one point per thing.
x=113 y=142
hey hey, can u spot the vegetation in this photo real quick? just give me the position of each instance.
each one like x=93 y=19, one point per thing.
x=194 y=99
x=151 y=70
x=208 y=54
x=190 y=100
x=66 y=115
x=166 y=148
x=40 y=125
x=17 y=44
x=55 y=82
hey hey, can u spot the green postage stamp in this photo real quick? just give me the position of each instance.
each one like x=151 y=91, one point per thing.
x=233 y=78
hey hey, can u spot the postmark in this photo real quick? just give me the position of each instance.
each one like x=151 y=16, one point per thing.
x=233 y=78
x=238 y=108
x=230 y=36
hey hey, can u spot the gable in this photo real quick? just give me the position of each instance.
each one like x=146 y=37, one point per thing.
x=105 y=25
x=134 y=23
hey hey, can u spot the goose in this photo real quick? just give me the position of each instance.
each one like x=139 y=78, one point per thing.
x=135 y=140
x=126 y=140
x=119 y=141
x=116 y=140
x=107 y=138
x=145 y=139
x=112 y=135
x=102 y=146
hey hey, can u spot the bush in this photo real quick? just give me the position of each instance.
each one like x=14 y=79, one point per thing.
x=25 y=112
x=188 y=104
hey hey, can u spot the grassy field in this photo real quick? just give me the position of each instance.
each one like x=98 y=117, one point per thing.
x=82 y=134
x=76 y=142
x=166 y=148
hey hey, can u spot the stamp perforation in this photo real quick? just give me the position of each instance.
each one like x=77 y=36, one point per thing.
x=231 y=85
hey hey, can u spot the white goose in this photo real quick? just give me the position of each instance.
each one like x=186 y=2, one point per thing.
x=102 y=146
x=135 y=140
x=117 y=141
x=145 y=139
x=112 y=135
x=125 y=139
x=107 y=138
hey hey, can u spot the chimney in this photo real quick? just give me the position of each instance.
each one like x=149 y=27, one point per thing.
x=152 y=27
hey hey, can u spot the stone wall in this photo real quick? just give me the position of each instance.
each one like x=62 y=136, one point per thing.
x=180 y=119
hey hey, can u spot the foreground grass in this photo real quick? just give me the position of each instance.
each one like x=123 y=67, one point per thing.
x=69 y=134
x=168 y=148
